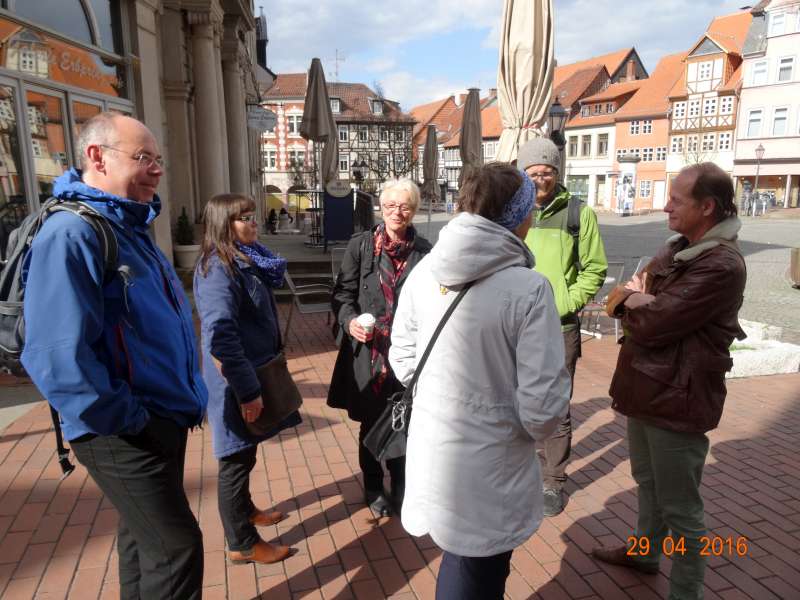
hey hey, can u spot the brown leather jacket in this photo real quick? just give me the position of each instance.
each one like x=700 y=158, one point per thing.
x=675 y=352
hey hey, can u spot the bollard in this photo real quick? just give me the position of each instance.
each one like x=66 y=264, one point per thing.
x=794 y=268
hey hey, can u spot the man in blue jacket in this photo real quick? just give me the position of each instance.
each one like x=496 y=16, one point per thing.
x=117 y=359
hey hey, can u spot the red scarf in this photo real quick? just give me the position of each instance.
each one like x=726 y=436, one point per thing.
x=392 y=260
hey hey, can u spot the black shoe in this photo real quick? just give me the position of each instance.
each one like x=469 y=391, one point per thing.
x=553 y=502
x=378 y=503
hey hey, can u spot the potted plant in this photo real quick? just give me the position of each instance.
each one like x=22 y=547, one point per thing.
x=186 y=251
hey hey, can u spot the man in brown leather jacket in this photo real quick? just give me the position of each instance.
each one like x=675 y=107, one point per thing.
x=679 y=317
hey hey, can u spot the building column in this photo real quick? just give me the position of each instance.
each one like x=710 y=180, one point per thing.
x=149 y=105
x=788 y=191
x=211 y=165
x=223 y=139
x=236 y=123
x=177 y=94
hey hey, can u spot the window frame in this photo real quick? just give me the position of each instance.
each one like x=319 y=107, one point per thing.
x=633 y=128
x=336 y=105
x=755 y=71
x=343 y=129
x=750 y=112
x=344 y=159
x=775 y=110
x=771 y=28
x=725 y=137
x=647 y=126
x=602 y=140
x=642 y=186
x=791 y=69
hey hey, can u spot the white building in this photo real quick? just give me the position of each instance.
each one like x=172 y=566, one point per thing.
x=769 y=108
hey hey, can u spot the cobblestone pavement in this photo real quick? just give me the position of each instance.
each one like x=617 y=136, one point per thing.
x=57 y=539
x=766 y=243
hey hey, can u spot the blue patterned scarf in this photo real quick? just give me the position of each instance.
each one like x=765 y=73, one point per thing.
x=272 y=265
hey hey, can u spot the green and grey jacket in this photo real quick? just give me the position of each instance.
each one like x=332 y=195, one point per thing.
x=552 y=247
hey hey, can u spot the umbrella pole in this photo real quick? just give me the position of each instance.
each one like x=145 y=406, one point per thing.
x=430 y=211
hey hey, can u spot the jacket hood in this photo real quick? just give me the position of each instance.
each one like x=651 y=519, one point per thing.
x=725 y=231
x=471 y=247
x=559 y=201
x=70 y=186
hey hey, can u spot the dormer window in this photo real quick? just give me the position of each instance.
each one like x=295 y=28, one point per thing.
x=336 y=105
x=585 y=110
x=377 y=107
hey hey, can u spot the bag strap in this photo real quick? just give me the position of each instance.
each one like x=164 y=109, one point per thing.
x=413 y=383
x=574 y=229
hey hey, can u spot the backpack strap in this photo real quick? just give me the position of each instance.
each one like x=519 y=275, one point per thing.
x=574 y=229
x=105 y=233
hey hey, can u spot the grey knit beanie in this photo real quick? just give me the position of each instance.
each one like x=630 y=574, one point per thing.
x=538 y=151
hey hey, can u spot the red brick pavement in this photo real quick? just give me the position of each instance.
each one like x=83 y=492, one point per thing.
x=57 y=539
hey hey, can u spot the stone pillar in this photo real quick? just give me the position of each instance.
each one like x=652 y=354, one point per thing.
x=211 y=163
x=787 y=194
x=236 y=122
x=223 y=139
x=149 y=104
x=177 y=93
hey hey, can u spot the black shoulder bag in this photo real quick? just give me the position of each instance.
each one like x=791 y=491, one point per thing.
x=387 y=438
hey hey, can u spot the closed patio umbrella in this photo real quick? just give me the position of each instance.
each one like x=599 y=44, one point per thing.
x=469 y=145
x=525 y=73
x=318 y=124
x=430 y=166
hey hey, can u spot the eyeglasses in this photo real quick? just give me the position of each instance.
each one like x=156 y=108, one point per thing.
x=391 y=206
x=246 y=218
x=143 y=158
x=545 y=175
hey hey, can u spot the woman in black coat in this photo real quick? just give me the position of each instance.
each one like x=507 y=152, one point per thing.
x=374 y=267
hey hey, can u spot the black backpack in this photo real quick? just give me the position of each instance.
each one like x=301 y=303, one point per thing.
x=12 y=289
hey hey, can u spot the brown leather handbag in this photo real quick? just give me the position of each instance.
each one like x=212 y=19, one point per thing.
x=279 y=395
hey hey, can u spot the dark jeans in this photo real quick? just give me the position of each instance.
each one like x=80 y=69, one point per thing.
x=159 y=541
x=479 y=578
x=235 y=504
x=557 y=447
x=372 y=469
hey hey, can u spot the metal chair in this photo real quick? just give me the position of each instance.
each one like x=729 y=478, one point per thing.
x=301 y=292
x=596 y=307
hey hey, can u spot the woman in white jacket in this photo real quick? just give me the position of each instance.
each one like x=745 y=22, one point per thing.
x=494 y=384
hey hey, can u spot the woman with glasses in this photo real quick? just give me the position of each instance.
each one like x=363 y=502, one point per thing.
x=374 y=268
x=233 y=284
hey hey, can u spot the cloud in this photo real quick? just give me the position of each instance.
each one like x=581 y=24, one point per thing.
x=653 y=28
x=414 y=90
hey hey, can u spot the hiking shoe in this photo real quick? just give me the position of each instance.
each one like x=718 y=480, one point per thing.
x=619 y=556
x=553 y=502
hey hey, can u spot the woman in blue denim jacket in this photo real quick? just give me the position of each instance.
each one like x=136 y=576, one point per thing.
x=233 y=284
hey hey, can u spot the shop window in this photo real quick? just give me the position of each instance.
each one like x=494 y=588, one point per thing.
x=82 y=112
x=13 y=204
x=49 y=142
x=64 y=16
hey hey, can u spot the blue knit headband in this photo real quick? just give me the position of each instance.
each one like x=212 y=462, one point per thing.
x=520 y=205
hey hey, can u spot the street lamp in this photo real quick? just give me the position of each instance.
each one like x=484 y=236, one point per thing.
x=557 y=118
x=759 y=156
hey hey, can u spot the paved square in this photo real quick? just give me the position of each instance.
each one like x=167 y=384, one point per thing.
x=57 y=539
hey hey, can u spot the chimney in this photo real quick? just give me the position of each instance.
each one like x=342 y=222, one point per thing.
x=630 y=72
x=459 y=99
x=492 y=92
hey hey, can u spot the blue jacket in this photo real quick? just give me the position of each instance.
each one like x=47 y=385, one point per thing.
x=239 y=328
x=107 y=356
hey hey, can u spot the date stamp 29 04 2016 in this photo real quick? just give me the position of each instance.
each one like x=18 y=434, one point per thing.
x=709 y=546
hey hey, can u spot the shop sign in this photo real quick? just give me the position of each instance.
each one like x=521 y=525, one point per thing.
x=261 y=119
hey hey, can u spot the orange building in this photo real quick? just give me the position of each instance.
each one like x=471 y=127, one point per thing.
x=638 y=181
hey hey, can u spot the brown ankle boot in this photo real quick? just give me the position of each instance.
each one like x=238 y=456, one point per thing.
x=265 y=518
x=261 y=552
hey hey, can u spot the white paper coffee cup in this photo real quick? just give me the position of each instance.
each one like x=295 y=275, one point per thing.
x=367 y=321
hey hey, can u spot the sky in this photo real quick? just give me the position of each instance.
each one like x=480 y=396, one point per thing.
x=420 y=50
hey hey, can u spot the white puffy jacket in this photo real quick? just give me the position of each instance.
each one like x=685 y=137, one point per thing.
x=494 y=384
